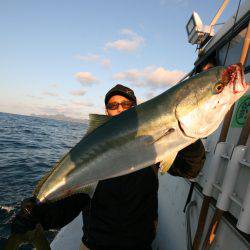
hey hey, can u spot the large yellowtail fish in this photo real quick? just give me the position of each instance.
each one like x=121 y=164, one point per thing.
x=151 y=132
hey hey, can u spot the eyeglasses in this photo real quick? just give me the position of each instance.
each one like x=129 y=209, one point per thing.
x=115 y=105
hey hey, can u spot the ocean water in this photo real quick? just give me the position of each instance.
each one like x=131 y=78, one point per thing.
x=29 y=147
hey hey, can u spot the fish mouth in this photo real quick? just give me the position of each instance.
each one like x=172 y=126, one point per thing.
x=233 y=76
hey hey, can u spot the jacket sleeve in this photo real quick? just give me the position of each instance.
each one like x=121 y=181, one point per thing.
x=60 y=213
x=189 y=161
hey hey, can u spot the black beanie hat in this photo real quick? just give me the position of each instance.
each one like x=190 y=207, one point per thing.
x=121 y=90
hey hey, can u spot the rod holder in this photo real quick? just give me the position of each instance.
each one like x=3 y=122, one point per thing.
x=243 y=223
x=230 y=178
x=222 y=148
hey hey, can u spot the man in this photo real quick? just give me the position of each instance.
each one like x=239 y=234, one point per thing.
x=208 y=64
x=122 y=213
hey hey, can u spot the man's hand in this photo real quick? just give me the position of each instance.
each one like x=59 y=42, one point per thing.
x=27 y=218
x=189 y=161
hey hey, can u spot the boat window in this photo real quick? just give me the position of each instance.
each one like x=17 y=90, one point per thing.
x=234 y=51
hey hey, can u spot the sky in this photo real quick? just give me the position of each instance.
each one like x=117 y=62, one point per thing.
x=61 y=57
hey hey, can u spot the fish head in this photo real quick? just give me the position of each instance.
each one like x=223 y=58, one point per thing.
x=212 y=94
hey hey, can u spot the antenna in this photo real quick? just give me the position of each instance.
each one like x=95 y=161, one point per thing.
x=199 y=33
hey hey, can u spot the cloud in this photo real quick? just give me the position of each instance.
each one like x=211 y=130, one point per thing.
x=129 y=75
x=152 y=76
x=106 y=63
x=140 y=100
x=51 y=106
x=35 y=97
x=86 y=78
x=162 y=77
x=131 y=43
x=82 y=103
x=74 y=109
x=48 y=93
x=150 y=95
x=88 y=58
x=79 y=92
x=54 y=85
x=128 y=32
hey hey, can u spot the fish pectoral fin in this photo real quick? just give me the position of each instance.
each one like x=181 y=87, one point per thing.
x=95 y=121
x=166 y=164
x=166 y=133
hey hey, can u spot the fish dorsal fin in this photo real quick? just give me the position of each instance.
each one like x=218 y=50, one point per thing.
x=167 y=162
x=95 y=121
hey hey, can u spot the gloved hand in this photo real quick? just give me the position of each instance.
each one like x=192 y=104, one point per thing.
x=27 y=218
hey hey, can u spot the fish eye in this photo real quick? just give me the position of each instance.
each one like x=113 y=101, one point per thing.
x=218 y=87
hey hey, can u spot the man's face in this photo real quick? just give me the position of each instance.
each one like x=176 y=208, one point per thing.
x=118 y=104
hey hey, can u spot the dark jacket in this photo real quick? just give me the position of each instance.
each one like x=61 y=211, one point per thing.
x=123 y=209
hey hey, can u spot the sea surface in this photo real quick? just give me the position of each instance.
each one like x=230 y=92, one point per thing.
x=29 y=147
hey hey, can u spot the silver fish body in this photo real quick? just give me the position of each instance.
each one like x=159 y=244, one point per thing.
x=146 y=134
